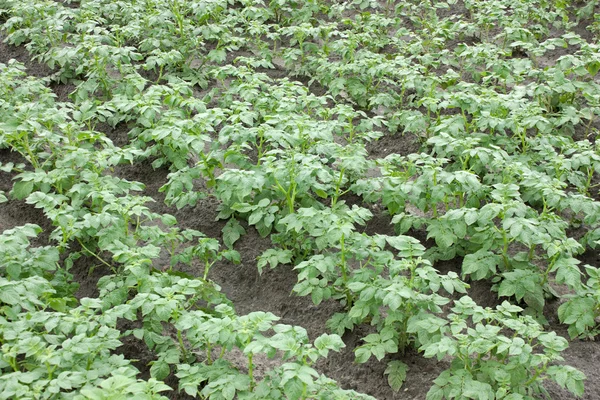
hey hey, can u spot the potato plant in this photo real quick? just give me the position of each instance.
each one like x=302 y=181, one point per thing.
x=272 y=110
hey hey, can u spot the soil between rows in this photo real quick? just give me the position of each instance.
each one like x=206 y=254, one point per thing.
x=271 y=291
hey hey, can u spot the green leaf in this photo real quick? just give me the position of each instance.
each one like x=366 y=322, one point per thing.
x=93 y=393
x=293 y=389
x=22 y=189
x=442 y=233
x=321 y=193
x=160 y=370
x=378 y=351
x=274 y=257
x=579 y=314
x=326 y=342
x=396 y=372
x=362 y=355
x=232 y=231
x=14 y=270
x=58 y=304
x=567 y=271
x=9 y=296
x=407 y=246
x=233 y=256
x=8 y=167
x=480 y=265
x=471 y=217
x=393 y=300
x=228 y=392
x=317 y=295
x=568 y=377
x=255 y=217
x=356 y=286
x=593 y=67
x=168 y=220
x=435 y=393
x=523 y=284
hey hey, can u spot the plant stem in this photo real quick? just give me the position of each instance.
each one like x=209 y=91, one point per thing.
x=207 y=266
x=13 y=363
x=535 y=376
x=343 y=267
x=251 y=371
x=337 y=188
x=209 y=360
x=95 y=255
x=183 y=349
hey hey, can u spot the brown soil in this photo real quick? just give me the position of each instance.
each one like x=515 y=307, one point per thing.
x=271 y=291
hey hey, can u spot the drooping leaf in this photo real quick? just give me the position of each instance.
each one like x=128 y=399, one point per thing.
x=396 y=372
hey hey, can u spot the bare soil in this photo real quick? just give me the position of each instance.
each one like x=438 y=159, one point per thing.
x=271 y=291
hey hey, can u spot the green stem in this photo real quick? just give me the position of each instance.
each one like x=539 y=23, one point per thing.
x=538 y=372
x=50 y=371
x=95 y=255
x=209 y=360
x=259 y=148
x=589 y=181
x=304 y=391
x=547 y=272
x=343 y=267
x=32 y=158
x=337 y=188
x=207 y=266
x=209 y=170
x=531 y=252
x=251 y=371
x=505 y=249
x=292 y=198
x=181 y=345
x=13 y=363
x=434 y=208
x=126 y=220
x=589 y=126
x=160 y=73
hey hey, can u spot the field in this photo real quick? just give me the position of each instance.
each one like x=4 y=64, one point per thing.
x=318 y=199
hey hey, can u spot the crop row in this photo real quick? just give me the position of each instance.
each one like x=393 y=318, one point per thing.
x=500 y=182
